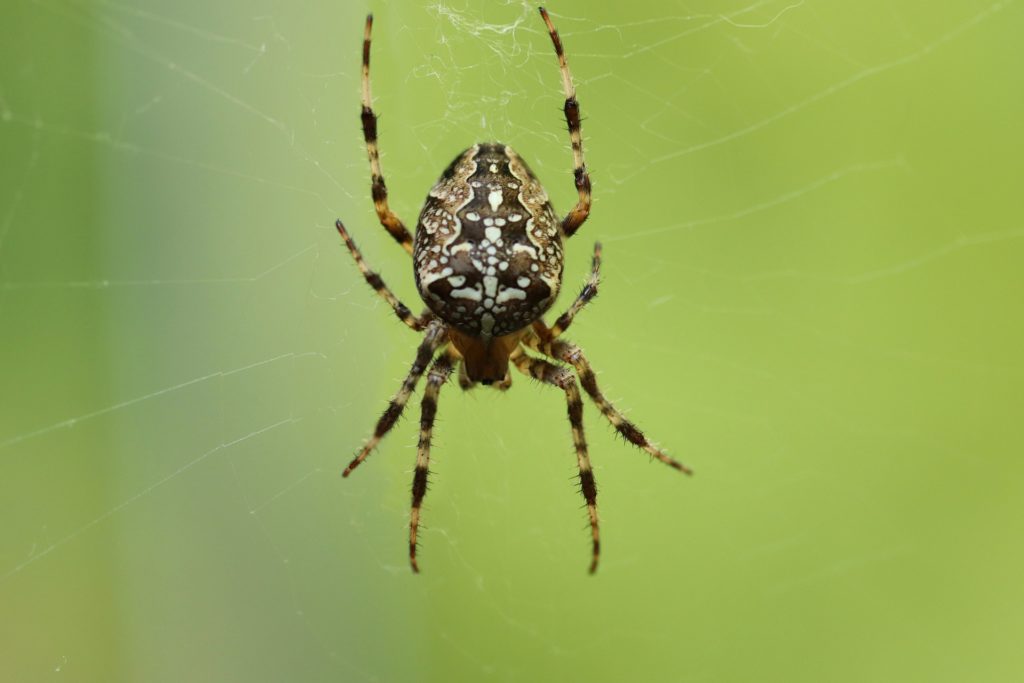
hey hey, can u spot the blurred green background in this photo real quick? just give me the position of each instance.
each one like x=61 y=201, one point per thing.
x=812 y=215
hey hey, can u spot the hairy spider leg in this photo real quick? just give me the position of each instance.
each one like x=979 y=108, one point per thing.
x=388 y=218
x=438 y=375
x=434 y=338
x=575 y=218
x=586 y=294
x=560 y=377
x=375 y=281
x=568 y=352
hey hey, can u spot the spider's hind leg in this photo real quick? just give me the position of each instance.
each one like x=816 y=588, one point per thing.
x=579 y=213
x=388 y=218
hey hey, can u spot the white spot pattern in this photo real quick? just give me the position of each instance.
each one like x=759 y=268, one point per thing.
x=499 y=248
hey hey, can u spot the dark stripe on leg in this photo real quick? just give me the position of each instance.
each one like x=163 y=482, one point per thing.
x=391 y=222
x=439 y=374
x=588 y=292
x=588 y=487
x=562 y=378
x=374 y=280
x=575 y=218
x=570 y=353
x=434 y=338
x=419 y=489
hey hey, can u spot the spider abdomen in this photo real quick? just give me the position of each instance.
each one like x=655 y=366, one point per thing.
x=488 y=246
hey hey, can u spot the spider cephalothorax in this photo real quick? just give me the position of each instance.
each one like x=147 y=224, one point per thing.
x=488 y=264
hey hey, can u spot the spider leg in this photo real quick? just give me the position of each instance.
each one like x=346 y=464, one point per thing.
x=572 y=354
x=433 y=339
x=574 y=219
x=438 y=375
x=375 y=281
x=549 y=373
x=391 y=222
x=588 y=292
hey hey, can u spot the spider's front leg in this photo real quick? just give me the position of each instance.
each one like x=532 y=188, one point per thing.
x=439 y=373
x=436 y=334
x=572 y=354
x=549 y=373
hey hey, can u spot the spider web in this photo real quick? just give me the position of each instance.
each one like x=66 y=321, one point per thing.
x=812 y=235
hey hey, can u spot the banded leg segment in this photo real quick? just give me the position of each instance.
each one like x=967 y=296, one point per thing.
x=374 y=280
x=434 y=338
x=586 y=294
x=391 y=222
x=438 y=375
x=575 y=218
x=549 y=373
x=572 y=354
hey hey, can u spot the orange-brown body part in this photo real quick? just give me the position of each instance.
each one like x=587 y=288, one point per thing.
x=486 y=358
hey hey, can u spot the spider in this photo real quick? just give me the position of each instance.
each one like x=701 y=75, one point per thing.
x=487 y=257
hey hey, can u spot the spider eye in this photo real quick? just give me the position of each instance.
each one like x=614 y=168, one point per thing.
x=487 y=382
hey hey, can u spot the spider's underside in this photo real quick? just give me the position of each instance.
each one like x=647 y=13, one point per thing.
x=488 y=264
